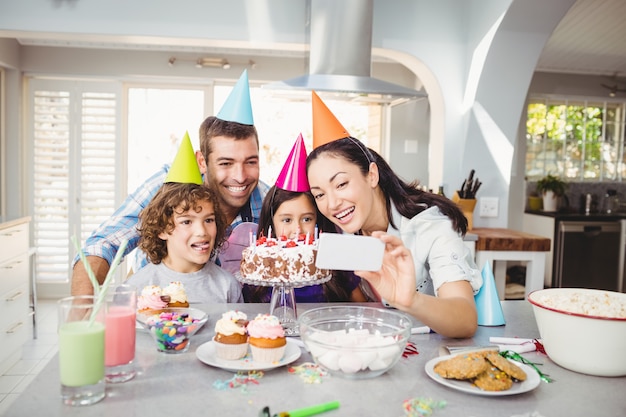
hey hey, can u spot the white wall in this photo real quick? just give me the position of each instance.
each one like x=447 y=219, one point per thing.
x=438 y=41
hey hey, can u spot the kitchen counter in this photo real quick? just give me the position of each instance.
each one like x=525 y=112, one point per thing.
x=494 y=239
x=498 y=246
x=182 y=385
x=575 y=216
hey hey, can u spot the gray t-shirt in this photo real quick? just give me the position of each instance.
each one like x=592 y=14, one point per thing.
x=211 y=284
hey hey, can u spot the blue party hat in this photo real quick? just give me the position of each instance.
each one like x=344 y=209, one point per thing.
x=487 y=301
x=237 y=107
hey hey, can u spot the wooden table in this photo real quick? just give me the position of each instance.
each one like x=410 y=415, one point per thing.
x=497 y=246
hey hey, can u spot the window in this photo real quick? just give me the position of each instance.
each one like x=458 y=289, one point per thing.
x=575 y=139
x=80 y=174
x=74 y=159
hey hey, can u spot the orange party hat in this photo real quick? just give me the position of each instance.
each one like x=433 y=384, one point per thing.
x=326 y=127
x=293 y=175
x=185 y=168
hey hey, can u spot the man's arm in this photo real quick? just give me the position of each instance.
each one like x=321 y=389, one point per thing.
x=81 y=285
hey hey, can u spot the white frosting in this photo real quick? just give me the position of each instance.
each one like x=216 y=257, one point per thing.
x=277 y=263
x=176 y=291
x=228 y=325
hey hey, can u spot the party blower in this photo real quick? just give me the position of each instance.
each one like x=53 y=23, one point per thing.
x=301 y=412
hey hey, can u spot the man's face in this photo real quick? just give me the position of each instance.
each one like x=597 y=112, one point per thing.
x=233 y=171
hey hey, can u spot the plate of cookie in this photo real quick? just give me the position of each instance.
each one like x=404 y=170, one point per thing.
x=482 y=373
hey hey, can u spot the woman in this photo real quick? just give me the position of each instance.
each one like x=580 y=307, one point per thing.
x=358 y=191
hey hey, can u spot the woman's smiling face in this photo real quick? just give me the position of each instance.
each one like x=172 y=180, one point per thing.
x=341 y=192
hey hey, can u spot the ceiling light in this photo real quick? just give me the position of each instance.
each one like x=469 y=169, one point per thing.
x=207 y=62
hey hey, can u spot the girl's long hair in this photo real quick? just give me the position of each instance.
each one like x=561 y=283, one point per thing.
x=408 y=199
x=334 y=289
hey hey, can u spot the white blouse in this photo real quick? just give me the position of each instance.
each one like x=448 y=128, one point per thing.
x=438 y=251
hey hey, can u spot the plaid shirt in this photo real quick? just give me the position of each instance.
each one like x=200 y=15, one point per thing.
x=106 y=238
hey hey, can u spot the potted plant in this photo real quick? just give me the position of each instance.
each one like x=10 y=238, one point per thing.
x=551 y=188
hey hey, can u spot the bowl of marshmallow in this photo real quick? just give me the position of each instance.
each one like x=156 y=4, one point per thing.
x=355 y=342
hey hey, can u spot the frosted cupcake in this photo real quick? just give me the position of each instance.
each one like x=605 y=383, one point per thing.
x=266 y=338
x=231 y=338
x=150 y=299
x=177 y=294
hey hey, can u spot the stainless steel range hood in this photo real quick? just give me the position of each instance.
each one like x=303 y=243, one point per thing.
x=340 y=54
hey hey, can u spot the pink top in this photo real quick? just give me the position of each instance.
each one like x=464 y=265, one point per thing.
x=266 y=327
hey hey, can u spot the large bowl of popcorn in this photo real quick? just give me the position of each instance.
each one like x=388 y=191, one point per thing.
x=583 y=330
x=353 y=341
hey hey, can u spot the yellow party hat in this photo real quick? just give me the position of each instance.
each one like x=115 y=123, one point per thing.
x=185 y=168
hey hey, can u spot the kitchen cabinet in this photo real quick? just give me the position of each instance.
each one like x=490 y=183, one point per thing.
x=14 y=290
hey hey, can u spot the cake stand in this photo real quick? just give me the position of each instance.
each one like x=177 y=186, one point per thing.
x=283 y=301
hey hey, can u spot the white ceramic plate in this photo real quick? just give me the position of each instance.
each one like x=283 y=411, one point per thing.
x=206 y=353
x=532 y=380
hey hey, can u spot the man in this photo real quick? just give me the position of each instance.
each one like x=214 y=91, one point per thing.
x=229 y=161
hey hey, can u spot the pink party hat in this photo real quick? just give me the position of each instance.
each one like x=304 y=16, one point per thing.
x=326 y=127
x=293 y=175
x=487 y=301
x=237 y=107
x=185 y=168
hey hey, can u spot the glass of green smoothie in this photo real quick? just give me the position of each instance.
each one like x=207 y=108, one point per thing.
x=81 y=350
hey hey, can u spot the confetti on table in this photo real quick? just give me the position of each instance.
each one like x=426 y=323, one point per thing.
x=309 y=372
x=409 y=350
x=421 y=407
x=239 y=380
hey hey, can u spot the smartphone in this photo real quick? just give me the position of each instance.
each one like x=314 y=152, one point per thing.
x=349 y=252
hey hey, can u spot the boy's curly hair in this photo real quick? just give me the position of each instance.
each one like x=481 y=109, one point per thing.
x=158 y=215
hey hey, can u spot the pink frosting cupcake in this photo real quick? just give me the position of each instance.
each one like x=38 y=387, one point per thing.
x=150 y=299
x=266 y=338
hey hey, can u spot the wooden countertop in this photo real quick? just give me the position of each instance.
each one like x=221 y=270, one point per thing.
x=509 y=240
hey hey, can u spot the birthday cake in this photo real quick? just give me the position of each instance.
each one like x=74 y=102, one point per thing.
x=281 y=260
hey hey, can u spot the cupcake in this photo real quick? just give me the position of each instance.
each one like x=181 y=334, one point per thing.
x=177 y=294
x=151 y=299
x=231 y=339
x=266 y=338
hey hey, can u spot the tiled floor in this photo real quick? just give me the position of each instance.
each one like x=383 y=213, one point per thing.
x=35 y=356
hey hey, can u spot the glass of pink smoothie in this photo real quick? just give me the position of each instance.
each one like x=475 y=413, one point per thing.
x=119 y=346
x=81 y=351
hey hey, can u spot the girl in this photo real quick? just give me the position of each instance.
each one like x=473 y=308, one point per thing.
x=427 y=270
x=291 y=213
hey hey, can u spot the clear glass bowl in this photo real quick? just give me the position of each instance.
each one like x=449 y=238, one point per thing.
x=355 y=342
x=172 y=328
